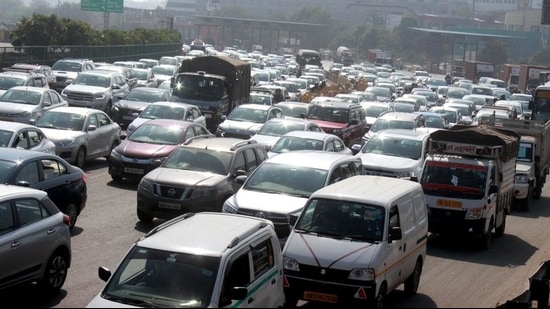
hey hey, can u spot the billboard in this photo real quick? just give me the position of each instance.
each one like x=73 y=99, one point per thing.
x=111 y=6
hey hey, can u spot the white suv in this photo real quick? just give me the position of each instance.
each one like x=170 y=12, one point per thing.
x=185 y=262
x=281 y=185
x=96 y=89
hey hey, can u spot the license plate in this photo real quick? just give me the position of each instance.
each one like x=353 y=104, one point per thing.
x=133 y=170
x=207 y=115
x=327 y=298
x=80 y=103
x=169 y=205
x=128 y=117
x=450 y=204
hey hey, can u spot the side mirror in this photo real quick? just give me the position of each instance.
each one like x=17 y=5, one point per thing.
x=493 y=190
x=92 y=127
x=104 y=273
x=395 y=234
x=238 y=293
x=115 y=86
x=241 y=179
x=293 y=218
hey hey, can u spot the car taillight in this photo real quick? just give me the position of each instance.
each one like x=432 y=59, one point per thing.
x=67 y=220
x=84 y=177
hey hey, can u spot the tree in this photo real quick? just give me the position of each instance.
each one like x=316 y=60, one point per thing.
x=494 y=51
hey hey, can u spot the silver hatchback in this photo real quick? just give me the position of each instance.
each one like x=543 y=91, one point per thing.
x=35 y=241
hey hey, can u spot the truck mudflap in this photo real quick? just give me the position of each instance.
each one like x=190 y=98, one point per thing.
x=537 y=296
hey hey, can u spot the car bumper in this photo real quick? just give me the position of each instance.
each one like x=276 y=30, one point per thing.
x=130 y=169
x=167 y=208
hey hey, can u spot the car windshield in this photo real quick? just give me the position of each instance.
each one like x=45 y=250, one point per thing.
x=383 y=124
x=450 y=180
x=157 y=134
x=375 y=111
x=434 y=122
x=92 y=80
x=340 y=218
x=290 y=143
x=288 y=179
x=332 y=114
x=156 y=278
x=21 y=96
x=61 y=121
x=278 y=128
x=8 y=82
x=163 y=71
x=142 y=95
x=199 y=160
x=67 y=66
x=142 y=74
x=396 y=147
x=294 y=111
x=248 y=114
x=162 y=112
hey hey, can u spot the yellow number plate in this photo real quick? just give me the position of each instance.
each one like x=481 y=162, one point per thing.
x=451 y=204
x=327 y=298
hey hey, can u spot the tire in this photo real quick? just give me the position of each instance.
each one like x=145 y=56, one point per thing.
x=538 y=191
x=71 y=210
x=525 y=205
x=143 y=217
x=55 y=273
x=380 y=300
x=80 y=157
x=499 y=231
x=485 y=241
x=108 y=107
x=413 y=281
x=290 y=301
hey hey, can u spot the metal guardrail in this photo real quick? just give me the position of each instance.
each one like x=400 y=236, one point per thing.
x=48 y=55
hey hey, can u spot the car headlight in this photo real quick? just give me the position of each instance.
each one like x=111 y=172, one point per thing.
x=99 y=96
x=521 y=178
x=65 y=142
x=362 y=274
x=146 y=185
x=69 y=81
x=404 y=174
x=115 y=155
x=474 y=214
x=230 y=206
x=291 y=264
x=202 y=193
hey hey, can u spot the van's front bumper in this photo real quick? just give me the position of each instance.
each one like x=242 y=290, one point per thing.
x=317 y=289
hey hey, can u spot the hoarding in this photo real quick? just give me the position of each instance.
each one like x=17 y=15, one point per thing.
x=111 y=6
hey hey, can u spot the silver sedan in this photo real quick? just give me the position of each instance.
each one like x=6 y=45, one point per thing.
x=80 y=133
x=24 y=136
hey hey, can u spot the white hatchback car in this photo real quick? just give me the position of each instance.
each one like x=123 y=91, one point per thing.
x=167 y=110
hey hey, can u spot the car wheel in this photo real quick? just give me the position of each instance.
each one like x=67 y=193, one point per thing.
x=412 y=283
x=72 y=211
x=499 y=231
x=113 y=146
x=525 y=204
x=380 y=300
x=80 y=157
x=55 y=273
x=486 y=238
x=143 y=217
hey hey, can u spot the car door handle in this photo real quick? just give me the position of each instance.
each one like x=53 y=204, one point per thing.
x=15 y=244
x=273 y=281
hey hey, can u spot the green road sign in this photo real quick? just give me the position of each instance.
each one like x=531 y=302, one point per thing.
x=111 y=6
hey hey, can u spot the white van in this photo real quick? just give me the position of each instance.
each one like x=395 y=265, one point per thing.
x=356 y=241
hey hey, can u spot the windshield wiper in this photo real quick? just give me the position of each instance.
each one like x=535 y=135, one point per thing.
x=132 y=301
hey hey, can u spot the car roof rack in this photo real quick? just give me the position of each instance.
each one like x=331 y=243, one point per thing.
x=242 y=143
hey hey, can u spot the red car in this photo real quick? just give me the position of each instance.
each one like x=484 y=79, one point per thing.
x=345 y=120
x=149 y=145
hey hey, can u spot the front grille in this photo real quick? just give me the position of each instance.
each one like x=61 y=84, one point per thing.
x=173 y=192
x=280 y=221
x=80 y=96
x=330 y=274
x=379 y=172
x=60 y=79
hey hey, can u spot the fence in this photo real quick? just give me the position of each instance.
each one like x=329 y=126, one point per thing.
x=48 y=55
